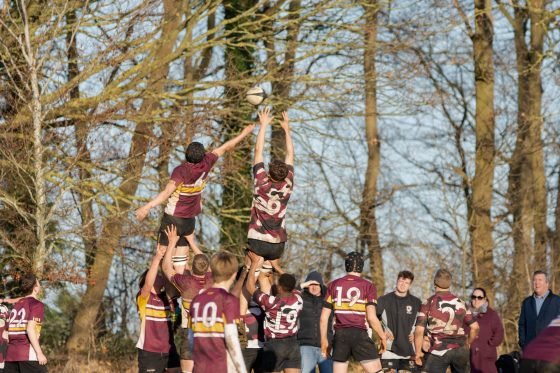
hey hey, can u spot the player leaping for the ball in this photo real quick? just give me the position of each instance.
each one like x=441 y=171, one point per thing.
x=183 y=194
x=271 y=192
x=353 y=300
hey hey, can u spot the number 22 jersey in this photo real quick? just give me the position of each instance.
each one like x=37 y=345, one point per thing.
x=349 y=296
x=25 y=310
x=210 y=312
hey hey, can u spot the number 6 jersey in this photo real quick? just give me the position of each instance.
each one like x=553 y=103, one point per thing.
x=349 y=296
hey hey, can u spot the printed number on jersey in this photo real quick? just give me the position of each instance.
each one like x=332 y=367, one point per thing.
x=352 y=296
x=289 y=315
x=209 y=313
x=14 y=315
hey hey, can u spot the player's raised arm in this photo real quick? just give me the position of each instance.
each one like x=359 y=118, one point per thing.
x=152 y=271
x=167 y=265
x=264 y=119
x=285 y=124
x=143 y=211
x=231 y=144
x=256 y=262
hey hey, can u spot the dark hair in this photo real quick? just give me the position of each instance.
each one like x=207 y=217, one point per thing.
x=287 y=282
x=482 y=290
x=200 y=264
x=195 y=152
x=278 y=170
x=539 y=272
x=26 y=283
x=406 y=274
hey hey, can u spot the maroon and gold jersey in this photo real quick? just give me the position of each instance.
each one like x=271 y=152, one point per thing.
x=546 y=346
x=156 y=323
x=349 y=296
x=270 y=202
x=211 y=311
x=25 y=310
x=189 y=286
x=281 y=313
x=190 y=178
x=444 y=315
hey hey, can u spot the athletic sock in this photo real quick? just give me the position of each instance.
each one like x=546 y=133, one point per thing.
x=179 y=260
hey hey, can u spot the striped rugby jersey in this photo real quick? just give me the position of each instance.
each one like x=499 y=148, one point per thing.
x=189 y=286
x=4 y=317
x=211 y=311
x=156 y=323
x=281 y=313
x=25 y=310
x=349 y=296
x=190 y=178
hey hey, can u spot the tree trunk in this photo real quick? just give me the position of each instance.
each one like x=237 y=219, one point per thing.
x=480 y=221
x=108 y=241
x=368 y=235
x=236 y=195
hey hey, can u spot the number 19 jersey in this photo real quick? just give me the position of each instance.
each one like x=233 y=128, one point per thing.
x=349 y=296
x=210 y=312
x=281 y=313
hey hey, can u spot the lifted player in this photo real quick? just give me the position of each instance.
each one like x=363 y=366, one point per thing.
x=189 y=284
x=24 y=351
x=156 y=349
x=353 y=300
x=183 y=193
x=215 y=314
x=281 y=350
x=271 y=192
x=397 y=311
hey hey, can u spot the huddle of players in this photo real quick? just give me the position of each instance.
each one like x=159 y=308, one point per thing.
x=215 y=312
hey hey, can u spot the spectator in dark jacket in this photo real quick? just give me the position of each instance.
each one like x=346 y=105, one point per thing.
x=490 y=336
x=309 y=335
x=537 y=310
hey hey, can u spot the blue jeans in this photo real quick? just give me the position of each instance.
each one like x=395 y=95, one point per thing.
x=310 y=357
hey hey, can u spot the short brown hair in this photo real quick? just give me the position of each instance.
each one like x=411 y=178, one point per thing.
x=223 y=265
x=443 y=279
x=200 y=264
x=278 y=170
x=27 y=283
x=406 y=275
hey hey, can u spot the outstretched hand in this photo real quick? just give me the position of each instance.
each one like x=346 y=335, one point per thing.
x=142 y=212
x=256 y=260
x=171 y=232
x=247 y=130
x=285 y=122
x=264 y=116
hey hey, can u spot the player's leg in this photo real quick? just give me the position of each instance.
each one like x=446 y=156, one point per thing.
x=371 y=366
x=459 y=360
x=292 y=356
x=341 y=350
x=340 y=367
x=185 y=350
x=364 y=350
x=173 y=361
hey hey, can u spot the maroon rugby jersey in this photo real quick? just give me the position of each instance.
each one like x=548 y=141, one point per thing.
x=270 y=201
x=349 y=296
x=189 y=286
x=211 y=311
x=546 y=346
x=281 y=313
x=190 y=178
x=156 y=318
x=25 y=310
x=445 y=315
x=4 y=317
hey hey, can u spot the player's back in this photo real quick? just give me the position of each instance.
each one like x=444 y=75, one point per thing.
x=25 y=310
x=189 y=286
x=281 y=313
x=210 y=312
x=349 y=297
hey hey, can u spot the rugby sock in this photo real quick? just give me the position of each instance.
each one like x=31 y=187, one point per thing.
x=180 y=260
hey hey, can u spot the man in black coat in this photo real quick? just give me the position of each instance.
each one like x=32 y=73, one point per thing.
x=537 y=310
x=309 y=334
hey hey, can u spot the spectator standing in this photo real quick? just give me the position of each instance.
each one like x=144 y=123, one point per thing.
x=397 y=311
x=491 y=334
x=309 y=334
x=537 y=310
